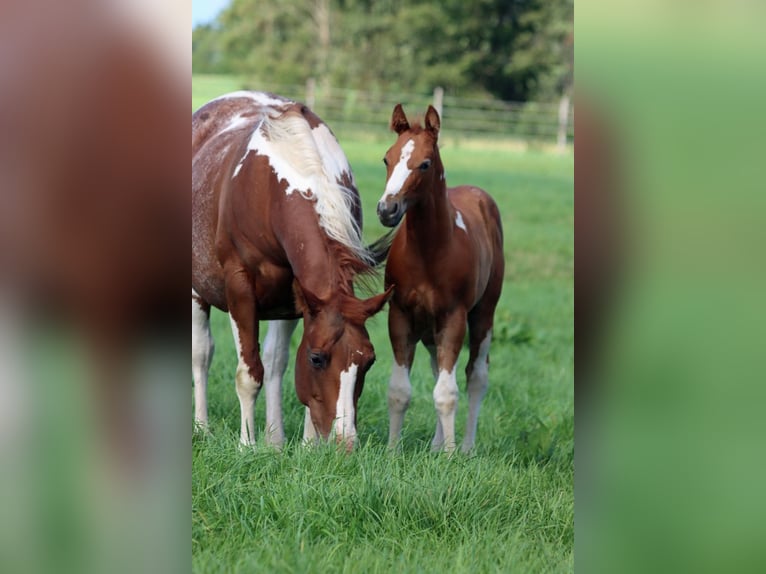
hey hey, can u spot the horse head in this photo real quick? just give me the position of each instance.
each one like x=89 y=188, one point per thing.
x=412 y=163
x=333 y=358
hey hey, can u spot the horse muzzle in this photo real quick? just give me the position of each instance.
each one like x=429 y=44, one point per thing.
x=390 y=212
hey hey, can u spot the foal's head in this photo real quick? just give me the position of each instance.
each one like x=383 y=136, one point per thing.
x=333 y=359
x=413 y=165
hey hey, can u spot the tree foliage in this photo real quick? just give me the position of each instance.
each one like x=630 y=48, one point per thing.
x=512 y=49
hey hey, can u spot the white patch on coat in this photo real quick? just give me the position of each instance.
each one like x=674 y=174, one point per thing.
x=259 y=98
x=459 y=221
x=335 y=162
x=238 y=122
x=343 y=426
x=401 y=171
x=307 y=168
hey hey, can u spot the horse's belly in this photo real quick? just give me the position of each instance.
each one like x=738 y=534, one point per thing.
x=274 y=292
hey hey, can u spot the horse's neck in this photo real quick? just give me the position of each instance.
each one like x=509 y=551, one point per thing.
x=431 y=221
x=318 y=268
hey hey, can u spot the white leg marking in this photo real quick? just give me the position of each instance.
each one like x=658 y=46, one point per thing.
x=399 y=394
x=202 y=355
x=438 y=441
x=344 y=426
x=478 y=381
x=445 y=400
x=247 y=391
x=310 y=434
x=276 y=352
x=401 y=171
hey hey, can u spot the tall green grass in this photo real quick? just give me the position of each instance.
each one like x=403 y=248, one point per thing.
x=507 y=508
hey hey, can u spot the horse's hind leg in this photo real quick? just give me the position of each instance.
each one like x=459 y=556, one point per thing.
x=438 y=441
x=202 y=355
x=276 y=351
x=477 y=370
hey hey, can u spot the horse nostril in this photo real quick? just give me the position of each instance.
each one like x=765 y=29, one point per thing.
x=395 y=209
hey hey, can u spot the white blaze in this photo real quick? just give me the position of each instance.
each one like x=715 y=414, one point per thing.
x=401 y=171
x=344 y=408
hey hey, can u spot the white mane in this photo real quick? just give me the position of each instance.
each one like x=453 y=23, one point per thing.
x=311 y=162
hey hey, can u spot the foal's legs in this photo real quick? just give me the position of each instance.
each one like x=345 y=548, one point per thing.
x=449 y=335
x=276 y=351
x=438 y=441
x=202 y=355
x=399 y=386
x=244 y=325
x=477 y=370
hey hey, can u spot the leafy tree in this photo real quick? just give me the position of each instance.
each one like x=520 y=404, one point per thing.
x=511 y=49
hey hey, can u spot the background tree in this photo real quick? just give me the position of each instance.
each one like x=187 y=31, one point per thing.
x=510 y=49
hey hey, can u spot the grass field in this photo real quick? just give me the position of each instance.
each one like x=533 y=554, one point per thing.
x=508 y=508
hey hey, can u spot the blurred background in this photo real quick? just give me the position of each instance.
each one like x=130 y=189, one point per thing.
x=494 y=69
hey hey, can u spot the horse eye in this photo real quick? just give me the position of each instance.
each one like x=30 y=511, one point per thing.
x=318 y=359
x=425 y=165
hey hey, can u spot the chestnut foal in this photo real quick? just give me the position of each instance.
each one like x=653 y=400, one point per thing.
x=446 y=265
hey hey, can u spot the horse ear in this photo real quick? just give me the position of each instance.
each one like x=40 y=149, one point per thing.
x=399 y=121
x=305 y=300
x=374 y=304
x=433 y=123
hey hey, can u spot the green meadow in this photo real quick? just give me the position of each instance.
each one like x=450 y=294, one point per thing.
x=509 y=507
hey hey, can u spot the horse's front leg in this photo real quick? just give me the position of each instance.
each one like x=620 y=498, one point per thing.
x=276 y=351
x=399 y=386
x=240 y=297
x=448 y=335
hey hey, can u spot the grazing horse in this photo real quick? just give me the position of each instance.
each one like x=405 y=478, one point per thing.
x=446 y=266
x=276 y=235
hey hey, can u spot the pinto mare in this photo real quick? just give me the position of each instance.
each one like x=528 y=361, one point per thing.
x=446 y=266
x=276 y=235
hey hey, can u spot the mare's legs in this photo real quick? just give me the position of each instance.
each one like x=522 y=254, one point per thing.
x=240 y=298
x=276 y=351
x=448 y=335
x=477 y=370
x=202 y=355
x=399 y=387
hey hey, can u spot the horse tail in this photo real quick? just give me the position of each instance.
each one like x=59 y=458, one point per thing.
x=379 y=248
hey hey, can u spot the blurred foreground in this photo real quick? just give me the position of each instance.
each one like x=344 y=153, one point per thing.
x=94 y=212
x=670 y=277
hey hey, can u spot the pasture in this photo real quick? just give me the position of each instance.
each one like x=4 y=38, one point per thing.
x=507 y=508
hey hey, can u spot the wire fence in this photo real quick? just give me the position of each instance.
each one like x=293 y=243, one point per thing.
x=368 y=113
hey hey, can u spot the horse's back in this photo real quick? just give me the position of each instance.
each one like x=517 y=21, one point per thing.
x=480 y=212
x=220 y=129
x=480 y=217
x=228 y=180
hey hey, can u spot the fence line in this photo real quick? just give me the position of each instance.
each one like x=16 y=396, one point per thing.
x=462 y=118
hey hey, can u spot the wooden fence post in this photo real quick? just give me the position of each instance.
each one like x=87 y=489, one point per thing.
x=311 y=86
x=561 y=143
x=439 y=100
